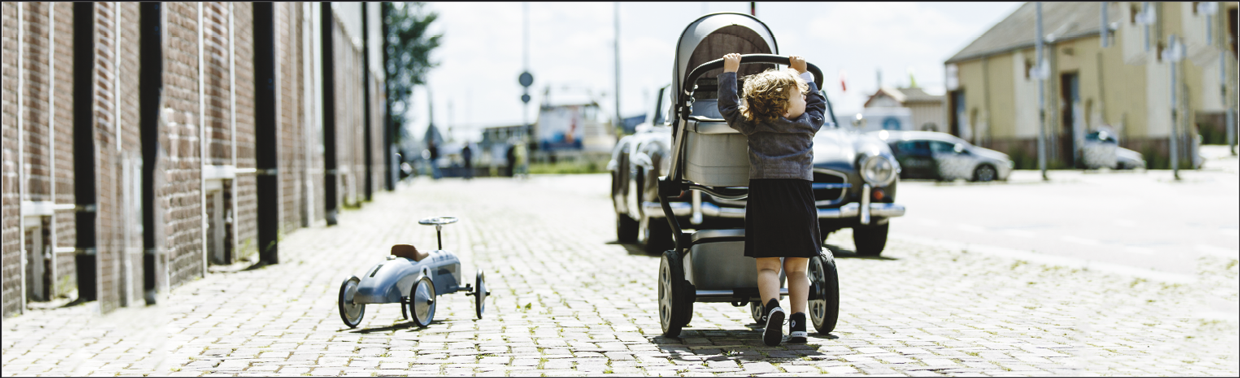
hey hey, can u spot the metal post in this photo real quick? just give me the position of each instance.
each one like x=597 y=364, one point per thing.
x=1104 y=30
x=150 y=93
x=1041 y=95
x=84 y=154
x=266 y=122
x=525 y=107
x=1175 y=137
x=329 y=113
x=619 y=120
x=389 y=132
x=367 y=153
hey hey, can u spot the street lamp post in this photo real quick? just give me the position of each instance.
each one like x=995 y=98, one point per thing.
x=1040 y=70
x=1173 y=54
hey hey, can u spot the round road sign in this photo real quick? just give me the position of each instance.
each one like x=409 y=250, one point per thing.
x=525 y=79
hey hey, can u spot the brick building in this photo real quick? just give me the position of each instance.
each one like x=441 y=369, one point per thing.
x=143 y=142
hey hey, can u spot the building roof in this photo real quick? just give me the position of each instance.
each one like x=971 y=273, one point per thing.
x=1064 y=20
x=904 y=95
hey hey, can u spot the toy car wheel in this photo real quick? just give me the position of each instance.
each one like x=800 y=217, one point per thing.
x=480 y=293
x=674 y=304
x=351 y=313
x=824 y=292
x=422 y=301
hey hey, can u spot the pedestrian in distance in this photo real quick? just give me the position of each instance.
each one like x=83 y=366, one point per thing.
x=468 y=155
x=780 y=112
x=434 y=158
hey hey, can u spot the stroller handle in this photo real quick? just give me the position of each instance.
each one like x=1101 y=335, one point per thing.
x=746 y=59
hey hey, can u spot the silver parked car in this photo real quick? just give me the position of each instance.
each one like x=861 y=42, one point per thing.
x=942 y=156
x=1101 y=150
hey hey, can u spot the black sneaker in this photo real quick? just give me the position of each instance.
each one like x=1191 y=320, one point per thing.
x=796 y=328
x=774 y=332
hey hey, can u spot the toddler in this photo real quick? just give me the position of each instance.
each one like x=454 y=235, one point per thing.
x=780 y=113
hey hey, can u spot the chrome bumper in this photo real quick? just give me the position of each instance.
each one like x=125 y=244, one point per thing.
x=851 y=210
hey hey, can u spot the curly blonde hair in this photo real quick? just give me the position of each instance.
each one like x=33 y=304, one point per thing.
x=765 y=94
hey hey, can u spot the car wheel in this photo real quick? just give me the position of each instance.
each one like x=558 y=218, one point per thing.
x=626 y=228
x=985 y=173
x=422 y=302
x=870 y=240
x=655 y=235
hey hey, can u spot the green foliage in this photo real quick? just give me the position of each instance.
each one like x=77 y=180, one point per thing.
x=408 y=45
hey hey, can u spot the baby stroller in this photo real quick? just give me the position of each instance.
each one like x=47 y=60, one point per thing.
x=709 y=156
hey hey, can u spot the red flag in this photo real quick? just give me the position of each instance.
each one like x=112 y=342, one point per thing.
x=843 y=87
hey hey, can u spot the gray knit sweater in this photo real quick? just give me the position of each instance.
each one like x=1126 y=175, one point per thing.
x=780 y=149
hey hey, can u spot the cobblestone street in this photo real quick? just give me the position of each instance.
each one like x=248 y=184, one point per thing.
x=568 y=300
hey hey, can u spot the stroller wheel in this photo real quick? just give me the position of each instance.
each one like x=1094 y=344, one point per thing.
x=674 y=303
x=824 y=292
x=755 y=309
x=422 y=302
x=351 y=313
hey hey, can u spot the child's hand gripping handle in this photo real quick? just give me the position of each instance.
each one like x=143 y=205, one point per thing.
x=746 y=59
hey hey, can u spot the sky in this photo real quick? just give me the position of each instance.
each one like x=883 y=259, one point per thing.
x=572 y=51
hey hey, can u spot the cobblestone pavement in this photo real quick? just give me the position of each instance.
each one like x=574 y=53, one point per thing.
x=567 y=300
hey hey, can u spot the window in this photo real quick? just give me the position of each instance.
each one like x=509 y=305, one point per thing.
x=942 y=147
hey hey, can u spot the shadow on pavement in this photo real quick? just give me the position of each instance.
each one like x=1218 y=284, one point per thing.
x=394 y=327
x=634 y=249
x=723 y=345
x=850 y=254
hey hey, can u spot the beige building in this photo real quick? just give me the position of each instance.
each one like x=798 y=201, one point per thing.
x=926 y=110
x=1122 y=81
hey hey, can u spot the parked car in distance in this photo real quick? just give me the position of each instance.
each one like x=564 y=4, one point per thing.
x=851 y=171
x=942 y=156
x=1102 y=150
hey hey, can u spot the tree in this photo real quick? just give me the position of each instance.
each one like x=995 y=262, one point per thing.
x=407 y=50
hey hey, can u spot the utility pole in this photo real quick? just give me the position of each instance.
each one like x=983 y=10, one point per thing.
x=619 y=120
x=1041 y=76
x=1173 y=55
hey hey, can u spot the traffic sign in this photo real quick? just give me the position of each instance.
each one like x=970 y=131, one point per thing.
x=525 y=79
x=525 y=98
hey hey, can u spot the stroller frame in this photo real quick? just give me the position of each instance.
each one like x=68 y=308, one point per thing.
x=709 y=156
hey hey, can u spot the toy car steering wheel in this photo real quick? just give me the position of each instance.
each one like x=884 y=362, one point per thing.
x=438 y=222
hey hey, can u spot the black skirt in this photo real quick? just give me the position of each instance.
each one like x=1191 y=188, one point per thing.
x=781 y=220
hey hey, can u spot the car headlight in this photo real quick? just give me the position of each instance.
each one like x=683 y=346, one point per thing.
x=878 y=170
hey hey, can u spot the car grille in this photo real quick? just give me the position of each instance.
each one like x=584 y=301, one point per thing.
x=829 y=187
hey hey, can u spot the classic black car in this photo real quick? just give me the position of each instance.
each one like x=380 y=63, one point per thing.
x=855 y=180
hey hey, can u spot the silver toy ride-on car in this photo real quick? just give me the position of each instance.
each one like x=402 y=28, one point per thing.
x=709 y=265
x=413 y=279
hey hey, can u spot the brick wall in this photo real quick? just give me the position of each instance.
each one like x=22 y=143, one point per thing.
x=64 y=224
x=107 y=172
x=129 y=157
x=10 y=258
x=178 y=198
x=243 y=61
x=215 y=78
x=35 y=102
x=188 y=136
x=291 y=164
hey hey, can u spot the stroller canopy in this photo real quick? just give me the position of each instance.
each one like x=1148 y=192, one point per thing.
x=713 y=35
